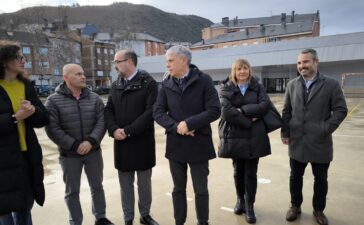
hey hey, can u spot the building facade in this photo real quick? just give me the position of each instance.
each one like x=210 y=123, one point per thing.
x=252 y=31
x=143 y=44
x=274 y=63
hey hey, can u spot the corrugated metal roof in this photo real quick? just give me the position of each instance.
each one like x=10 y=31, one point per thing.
x=332 y=48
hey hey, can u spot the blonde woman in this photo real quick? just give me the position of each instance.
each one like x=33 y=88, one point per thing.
x=243 y=136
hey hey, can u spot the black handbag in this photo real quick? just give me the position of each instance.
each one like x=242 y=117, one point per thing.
x=272 y=120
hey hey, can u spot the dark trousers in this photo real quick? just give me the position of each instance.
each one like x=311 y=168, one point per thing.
x=245 y=177
x=199 y=174
x=320 y=186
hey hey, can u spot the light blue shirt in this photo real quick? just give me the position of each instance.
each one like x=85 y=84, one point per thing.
x=243 y=88
x=308 y=83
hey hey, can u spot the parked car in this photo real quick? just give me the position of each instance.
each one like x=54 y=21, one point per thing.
x=102 y=90
x=43 y=90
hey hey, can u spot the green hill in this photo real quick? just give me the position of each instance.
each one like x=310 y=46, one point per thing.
x=122 y=18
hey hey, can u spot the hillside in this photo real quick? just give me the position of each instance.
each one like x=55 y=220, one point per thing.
x=122 y=18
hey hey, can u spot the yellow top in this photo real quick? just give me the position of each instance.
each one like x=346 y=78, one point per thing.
x=16 y=92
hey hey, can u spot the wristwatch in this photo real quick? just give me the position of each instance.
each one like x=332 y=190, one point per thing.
x=13 y=118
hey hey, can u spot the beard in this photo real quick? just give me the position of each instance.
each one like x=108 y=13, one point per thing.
x=305 y=72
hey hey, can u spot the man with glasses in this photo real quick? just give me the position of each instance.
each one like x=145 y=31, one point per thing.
x=128 y=116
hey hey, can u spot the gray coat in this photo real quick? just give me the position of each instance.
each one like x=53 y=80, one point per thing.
x=73 y=121
x=309 y=126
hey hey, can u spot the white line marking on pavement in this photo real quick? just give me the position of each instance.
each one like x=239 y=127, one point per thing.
x=226 y=209
x=264 y=181
x=343 y=135
x=188 y=199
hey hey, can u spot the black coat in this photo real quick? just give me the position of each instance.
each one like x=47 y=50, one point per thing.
x=198 y=105
x=130 y=107
x=250 y=138
x=12 y=165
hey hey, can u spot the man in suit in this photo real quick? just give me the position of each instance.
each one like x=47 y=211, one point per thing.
x=313 y=109
x=186 y=105
x=128 y=115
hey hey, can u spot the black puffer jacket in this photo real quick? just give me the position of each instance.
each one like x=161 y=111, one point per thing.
x=73 y=121
x=12 y=166
x=238 y=110
x=130 y=107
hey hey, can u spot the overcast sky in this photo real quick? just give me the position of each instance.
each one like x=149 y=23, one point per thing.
x=337 y=16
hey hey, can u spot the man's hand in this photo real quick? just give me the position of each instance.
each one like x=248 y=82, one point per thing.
x=182 y=128
x=191 y=133
x=84 y=148
x=285 y=141
x=119 y=134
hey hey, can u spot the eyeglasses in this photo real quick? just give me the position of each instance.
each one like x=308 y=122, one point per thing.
x=21 y=58
x=120 y=61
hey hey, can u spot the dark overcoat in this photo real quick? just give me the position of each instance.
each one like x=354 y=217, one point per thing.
x=130 y=107
x=198 y=105
x=309 y=125
x=14 y=171
x=249 y=138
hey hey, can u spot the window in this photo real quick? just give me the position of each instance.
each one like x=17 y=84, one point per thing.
x=106 y=62
x=105 y=51
x=43 y=51
x=98 y=50
x=77 y=60
x=99 y=61
x=57 y=72
x=100 y=73
x=44 y=64
x=26 y=50
x=28 y=65
x=112 y=51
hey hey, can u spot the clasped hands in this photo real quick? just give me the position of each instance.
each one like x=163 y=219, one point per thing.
x=26 y=110
x=182 y=129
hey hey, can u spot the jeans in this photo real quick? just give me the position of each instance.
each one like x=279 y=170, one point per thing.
x=23 y=217
x=72 y=170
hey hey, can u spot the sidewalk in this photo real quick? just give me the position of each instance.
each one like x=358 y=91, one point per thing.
x=345 y=202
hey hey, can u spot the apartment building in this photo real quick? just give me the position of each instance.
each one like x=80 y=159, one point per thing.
x=253 y=31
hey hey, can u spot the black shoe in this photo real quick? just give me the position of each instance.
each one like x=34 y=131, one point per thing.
x=321 y=218
x=292 y=213
x=239 y=207
x=148 y=220
x=103 y=221
x=249 y=213
x=206 y=223
x=130 y=222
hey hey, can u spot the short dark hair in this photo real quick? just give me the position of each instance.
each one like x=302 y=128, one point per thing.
x=129 y=54
x=310 y=51
x=8 y=51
